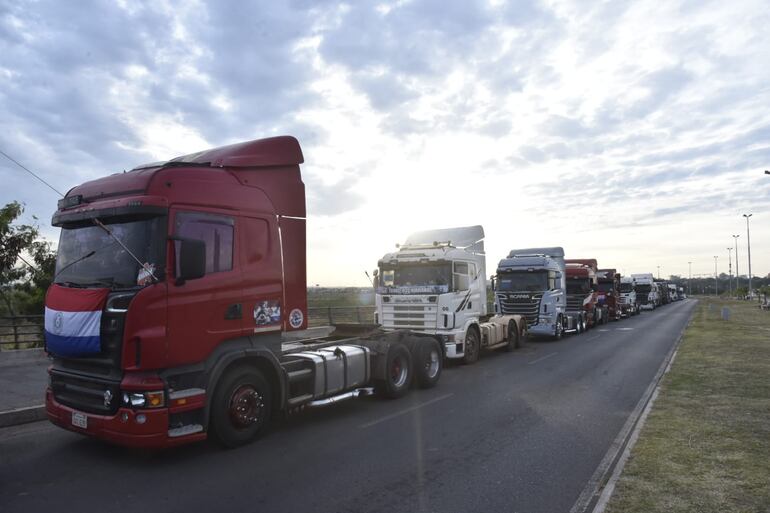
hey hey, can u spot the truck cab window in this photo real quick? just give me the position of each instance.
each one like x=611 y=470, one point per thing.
x=216 y=231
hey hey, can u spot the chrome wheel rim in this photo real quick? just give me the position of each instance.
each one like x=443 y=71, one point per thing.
x=431 y=367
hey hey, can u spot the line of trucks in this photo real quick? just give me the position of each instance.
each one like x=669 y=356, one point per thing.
x=179 y=308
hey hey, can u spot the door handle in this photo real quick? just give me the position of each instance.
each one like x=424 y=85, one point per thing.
x=233 y=312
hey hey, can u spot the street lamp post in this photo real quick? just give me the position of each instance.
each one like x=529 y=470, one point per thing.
x=689 y=280
x=748 y=245
x=658 y=272
x=730 y=271
x=716 y=277
x=737 y=272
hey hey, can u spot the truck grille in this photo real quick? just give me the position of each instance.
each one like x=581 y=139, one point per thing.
x=575 y=302
x=88 y=394
x=410 y=316
x=642 y=299
x=517 y=304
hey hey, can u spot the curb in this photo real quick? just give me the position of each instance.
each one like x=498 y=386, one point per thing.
x=599 y=488
x=22 y=416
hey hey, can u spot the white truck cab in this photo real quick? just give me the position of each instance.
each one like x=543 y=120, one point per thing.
x=435 y=283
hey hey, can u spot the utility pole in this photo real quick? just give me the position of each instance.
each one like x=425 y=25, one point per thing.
x=730 y=272
x=737 y=272
x=689 y=280
x=748 y=244
x=716 y=277
x=658 y=272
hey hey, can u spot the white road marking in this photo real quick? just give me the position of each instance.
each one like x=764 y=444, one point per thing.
x=405 y=411
x=603 y=330
x=623 y=329
x=542 y=358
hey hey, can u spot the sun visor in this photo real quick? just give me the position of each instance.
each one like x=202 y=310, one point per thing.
x=468 y=237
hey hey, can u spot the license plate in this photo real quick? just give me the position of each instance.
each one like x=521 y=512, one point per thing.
x=79 y=419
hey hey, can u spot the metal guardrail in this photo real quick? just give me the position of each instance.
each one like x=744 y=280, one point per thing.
x=328 y=315
x=21 y=332
x=26 y=331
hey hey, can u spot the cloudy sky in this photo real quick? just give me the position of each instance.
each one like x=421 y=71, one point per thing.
x=633 y=132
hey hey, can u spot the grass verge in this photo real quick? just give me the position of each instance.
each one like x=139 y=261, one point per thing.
x=706 y=443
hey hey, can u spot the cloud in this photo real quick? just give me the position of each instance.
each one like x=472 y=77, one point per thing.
x=654 y=112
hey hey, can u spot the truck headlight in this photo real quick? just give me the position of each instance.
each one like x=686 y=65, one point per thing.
x=154 y=399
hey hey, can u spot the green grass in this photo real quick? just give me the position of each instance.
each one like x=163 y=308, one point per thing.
x=706 y=444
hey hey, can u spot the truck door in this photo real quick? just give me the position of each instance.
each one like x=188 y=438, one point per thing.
x=466 y=286
x=204 y=312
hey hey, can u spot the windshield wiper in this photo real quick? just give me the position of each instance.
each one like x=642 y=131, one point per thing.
x=144 y=266
x=87 y=255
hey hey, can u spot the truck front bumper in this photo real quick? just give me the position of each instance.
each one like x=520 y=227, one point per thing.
x=147 y=428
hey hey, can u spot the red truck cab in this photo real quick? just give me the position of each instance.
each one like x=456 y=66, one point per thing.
x=582 y=290
x=167 y=274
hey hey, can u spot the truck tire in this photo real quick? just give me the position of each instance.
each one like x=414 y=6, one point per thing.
x=472 y=346
x=398 y=373
x=240 y=407
x=429 y=363
x=558 y=330
x=581 y=326
x=513 y=337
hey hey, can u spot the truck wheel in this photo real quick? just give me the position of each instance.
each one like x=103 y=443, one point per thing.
x=398 y=373
x=472 y=346
x=558 y=329
x=240 y=407
x=513 y=337
x=581 y=327
x=428 y=363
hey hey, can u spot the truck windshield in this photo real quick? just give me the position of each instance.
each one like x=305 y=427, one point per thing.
x=606 y=286
x=522 y=281
x=578 y=286
x=626 y=287
x=644 y=289
x=88 y=256
x=434 y=278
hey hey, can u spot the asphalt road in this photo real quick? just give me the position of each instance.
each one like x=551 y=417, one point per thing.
x=521 y=431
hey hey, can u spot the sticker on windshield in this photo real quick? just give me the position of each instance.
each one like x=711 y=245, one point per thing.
x=267 y=313
x=145 y=274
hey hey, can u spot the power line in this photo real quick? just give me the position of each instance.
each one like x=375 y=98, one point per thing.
x=30 y=172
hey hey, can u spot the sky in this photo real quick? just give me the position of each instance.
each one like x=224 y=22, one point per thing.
x=635 y=133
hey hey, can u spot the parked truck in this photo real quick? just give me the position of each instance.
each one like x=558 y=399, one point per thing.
x=435 y=284
x=609 y=292
x=628 y=303
x=583 y=291
x=646 y=291
x=176 y=285
x=533 y=283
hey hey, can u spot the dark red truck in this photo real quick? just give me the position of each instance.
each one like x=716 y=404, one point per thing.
x=177 y=284
x=609 y=292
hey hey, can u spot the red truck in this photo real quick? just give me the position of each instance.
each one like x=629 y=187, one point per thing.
x=609 y=292
x=583 y=290
x=177 y=285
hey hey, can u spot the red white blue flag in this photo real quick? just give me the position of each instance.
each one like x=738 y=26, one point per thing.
x=72 y=320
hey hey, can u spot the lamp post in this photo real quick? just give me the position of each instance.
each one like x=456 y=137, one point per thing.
x=737 y=272
x=716 y=281
x=689 y=280
x=730 y=271
x=658 y=272
x=748 y=244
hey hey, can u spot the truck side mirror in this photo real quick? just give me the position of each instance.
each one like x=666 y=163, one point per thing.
x=192 y=260
x=493 y=282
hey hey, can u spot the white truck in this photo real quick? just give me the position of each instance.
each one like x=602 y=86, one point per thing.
x=646 y=291
x=435 y=283
x=628 y=303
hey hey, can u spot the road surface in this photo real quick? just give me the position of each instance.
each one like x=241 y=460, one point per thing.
x=521 y=431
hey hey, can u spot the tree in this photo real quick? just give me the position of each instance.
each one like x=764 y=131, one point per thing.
x=23 y=284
